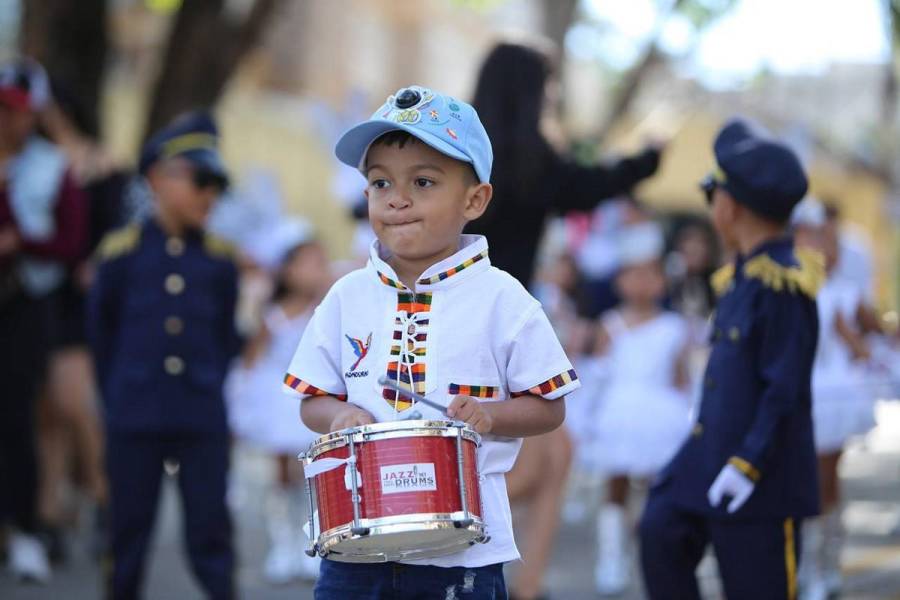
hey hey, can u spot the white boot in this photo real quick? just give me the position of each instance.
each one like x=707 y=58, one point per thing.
x=612 y=573
x=307 y=567
x=28 y=558
x=280 y=565
x=810 y=577
x=832 y=545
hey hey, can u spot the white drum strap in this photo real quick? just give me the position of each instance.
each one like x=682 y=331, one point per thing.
x=323 y=465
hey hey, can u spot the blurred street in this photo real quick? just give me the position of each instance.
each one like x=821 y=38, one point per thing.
x=871 y=559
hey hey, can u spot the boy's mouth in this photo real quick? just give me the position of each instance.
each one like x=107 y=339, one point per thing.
x=403 y=223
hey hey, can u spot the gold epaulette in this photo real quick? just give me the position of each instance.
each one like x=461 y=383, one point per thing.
x=119 y=242
x=722 y=278
x=219 y=247
x=805 y=278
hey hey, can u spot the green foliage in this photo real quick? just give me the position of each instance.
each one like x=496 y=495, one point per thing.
x=702 y=13
x=480 y=5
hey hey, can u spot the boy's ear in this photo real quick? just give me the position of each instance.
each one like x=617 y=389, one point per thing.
x=477 y=199
x=152 y=175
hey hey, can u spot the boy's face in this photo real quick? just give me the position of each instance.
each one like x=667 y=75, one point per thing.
x=420 y=200
x=724 y=214
x=178 y=195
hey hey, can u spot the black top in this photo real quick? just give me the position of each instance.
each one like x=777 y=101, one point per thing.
x=514 y=221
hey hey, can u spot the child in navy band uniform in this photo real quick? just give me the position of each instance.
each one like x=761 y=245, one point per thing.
x=746 y=476
x=431 y=313
x=161 y=326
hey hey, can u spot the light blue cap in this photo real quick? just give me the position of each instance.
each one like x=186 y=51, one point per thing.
x=448 y=125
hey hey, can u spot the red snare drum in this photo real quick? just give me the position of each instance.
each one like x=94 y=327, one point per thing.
x=414 y=492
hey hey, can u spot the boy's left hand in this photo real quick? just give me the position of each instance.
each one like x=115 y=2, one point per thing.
x=730 y=482
x=471 y=411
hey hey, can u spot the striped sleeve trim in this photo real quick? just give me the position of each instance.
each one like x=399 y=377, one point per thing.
x=745 y=467
x=475 y=391
x=307 y=389
x=553 y=387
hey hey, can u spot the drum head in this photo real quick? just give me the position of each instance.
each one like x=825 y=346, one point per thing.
x=391 y=539
x=388 y=430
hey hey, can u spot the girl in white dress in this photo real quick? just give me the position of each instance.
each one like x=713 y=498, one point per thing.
x=843 y=399
x=262 y=416
x=643 y=415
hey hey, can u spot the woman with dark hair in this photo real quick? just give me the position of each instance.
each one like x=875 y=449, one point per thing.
x=531 y=179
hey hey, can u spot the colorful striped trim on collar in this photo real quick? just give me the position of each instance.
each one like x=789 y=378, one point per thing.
x=387 y=280
x=435 y=278
x=450 y=272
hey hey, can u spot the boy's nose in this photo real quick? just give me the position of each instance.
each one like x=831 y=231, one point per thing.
x=399 y=199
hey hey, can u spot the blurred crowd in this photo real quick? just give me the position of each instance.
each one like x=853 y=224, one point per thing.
x=629 y=292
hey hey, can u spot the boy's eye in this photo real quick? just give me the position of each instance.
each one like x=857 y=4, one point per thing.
x=423 y=182
x=379 y=184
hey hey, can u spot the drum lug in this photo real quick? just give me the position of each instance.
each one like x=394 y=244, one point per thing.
x=311 y=551
x=360 y=531
x=484 y=539
x=463 y=523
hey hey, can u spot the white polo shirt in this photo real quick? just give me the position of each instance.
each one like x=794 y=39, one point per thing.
x=468 y=328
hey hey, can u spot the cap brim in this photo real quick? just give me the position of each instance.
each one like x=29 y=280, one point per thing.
x=209 y=160
x=351 y=149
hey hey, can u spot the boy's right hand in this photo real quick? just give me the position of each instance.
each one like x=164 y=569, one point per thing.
x=351 y=416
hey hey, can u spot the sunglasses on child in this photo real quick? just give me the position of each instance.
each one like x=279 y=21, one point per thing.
x=203 y=179
x=708 y=186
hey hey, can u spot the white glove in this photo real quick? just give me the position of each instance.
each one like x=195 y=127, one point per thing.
x=730 y=482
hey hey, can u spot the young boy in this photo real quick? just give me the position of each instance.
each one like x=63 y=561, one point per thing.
x=747 y=474
x=161 y=325
x=437 y=319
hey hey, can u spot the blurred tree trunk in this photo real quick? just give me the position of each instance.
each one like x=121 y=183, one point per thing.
x=558 y=17
x=206 y=44
x=628 y=89
x=889 y=85
x=69 y=38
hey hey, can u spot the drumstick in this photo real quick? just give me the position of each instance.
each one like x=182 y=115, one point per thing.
x=417 y=397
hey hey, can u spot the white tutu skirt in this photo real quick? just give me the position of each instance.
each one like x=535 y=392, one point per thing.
x=842 y=408
x=260 y=413
x=581 y=410
x=639 y=428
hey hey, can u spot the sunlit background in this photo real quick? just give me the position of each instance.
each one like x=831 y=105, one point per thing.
x=822 y=74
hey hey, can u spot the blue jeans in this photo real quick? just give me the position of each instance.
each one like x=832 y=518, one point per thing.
x=395 y=581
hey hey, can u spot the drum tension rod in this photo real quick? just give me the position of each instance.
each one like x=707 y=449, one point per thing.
x=313 y=548
x=354 y=490
x=466 y=521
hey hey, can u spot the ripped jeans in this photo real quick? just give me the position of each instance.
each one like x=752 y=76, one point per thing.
x=396 y=581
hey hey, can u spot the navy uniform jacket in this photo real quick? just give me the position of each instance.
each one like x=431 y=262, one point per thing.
x=755 y=411
x=161 y=324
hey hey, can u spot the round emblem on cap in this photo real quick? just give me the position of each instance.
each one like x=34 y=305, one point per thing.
x=407 y=98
